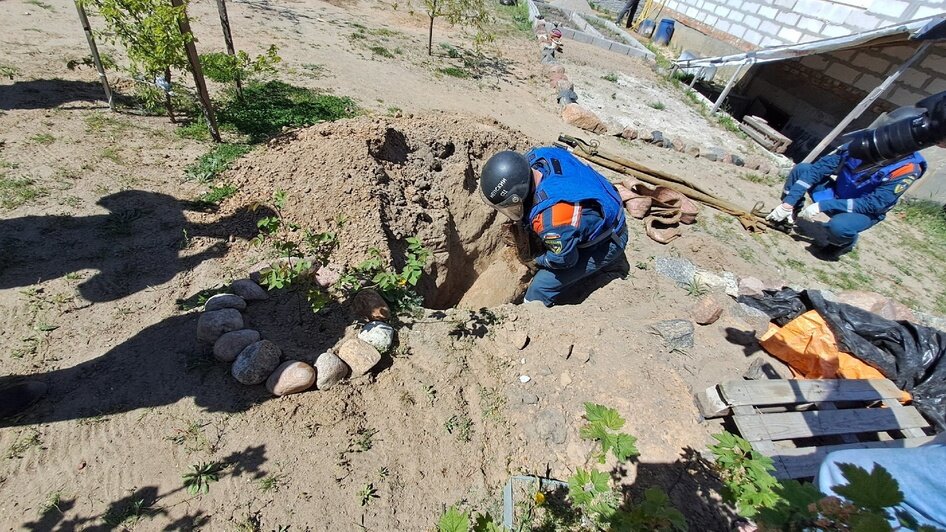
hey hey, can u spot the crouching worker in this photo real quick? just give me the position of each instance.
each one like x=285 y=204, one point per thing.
x=575 y=211
x=857 y=198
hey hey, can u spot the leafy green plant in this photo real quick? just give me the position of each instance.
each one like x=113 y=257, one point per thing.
x=610 y=76
x=218 y=159
x=266 y=108
x=695 y=288
x=8 y=71
x=455 y=72
x=197 y=481
x=745 y=474
x=216 y=194
x=225 y=68
x=603 y=424
x=475 y=14
x=660 y=106
x=395 y=287
x=453 y=520
x=460 y=426
x=367 y=493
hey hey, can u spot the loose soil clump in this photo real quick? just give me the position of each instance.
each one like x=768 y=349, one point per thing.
x=376 y=181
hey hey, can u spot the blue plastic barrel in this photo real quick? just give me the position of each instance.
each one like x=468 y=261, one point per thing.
x=664 y=32
x=647 y=28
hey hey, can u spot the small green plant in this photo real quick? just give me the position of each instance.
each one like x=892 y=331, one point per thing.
x=218 y=159
x=128 y=515
x=53 y=499
x=225 y=68
x=729 y=123
x=43 y=138
x=657 y=105
x=191 y=437
x=23 y=443
x=695 y=288
x=194 y=130
x=455 y=72
x=461 y=426
x=271 y=483
x=367 y=493
x=363 y=441
x=610 y=76
x=453 y=520
x=381 y=51
x=395 y=287
x=641 y=265
x=217 y=194
x=603 y=424
x=197 y=481
x=745 y=474
x=8 y=71
x=108 y=63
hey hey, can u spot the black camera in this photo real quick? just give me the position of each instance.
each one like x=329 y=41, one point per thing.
x=925 y=127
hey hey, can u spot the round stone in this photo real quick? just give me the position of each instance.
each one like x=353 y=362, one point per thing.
x=221 y=301
x=230 y=344
x=212 y=324
x=378 y=334
x=290 y=377
x=255 y=363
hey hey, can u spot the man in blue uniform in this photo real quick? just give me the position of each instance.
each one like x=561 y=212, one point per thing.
x=575 y=211
x=857 y=199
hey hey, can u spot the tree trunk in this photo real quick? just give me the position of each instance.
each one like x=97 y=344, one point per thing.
x=198 y=72
x=430 y=37
x=228 y=39
x=167 y=96
x=84 y=20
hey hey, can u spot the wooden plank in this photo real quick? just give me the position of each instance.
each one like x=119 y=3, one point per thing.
x=792 y=391
x=911 y=433
x=846 y=438
x=765 y=129
x=805 y=461
x=766 y=142
x=788 y=425
x=765 y=447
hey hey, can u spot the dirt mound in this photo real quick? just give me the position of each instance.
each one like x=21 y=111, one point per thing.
x=376 y=181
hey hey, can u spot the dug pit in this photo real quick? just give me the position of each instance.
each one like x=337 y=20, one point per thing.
x=376 y=181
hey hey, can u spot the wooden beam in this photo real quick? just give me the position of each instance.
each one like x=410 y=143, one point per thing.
x=228 y=39
x=790 y=425
x=84 y=19
x=795 y=391
x=866 y=102
x=198 y=72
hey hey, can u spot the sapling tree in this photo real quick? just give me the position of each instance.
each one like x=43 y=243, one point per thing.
x=149 y=32
x=474 y=13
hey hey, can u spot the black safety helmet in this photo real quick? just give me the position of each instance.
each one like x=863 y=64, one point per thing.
x=506 y=183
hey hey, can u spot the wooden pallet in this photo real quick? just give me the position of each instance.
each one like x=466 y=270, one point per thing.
x=798 y=422
x=760 y=131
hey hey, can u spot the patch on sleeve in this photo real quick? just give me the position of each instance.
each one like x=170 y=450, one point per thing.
x=903 y=185
x=553 y=242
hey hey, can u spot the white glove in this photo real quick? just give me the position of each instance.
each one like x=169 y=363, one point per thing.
x=781 y=214
x=810 y=211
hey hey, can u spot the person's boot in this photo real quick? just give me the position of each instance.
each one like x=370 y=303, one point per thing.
x=16 y=398
x=832 y=252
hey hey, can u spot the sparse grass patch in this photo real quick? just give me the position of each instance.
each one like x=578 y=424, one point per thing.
x=211 y=164
x=363 y=440
x=455 y=72
x=927 y=216
x=217 y=194
x=731 y=124
x=760 y=178
x=43 y=138
x=53 y=499
x=518 y=15
x=196 y=130
x=657 y=105
x=610 y=76
x=696 y=289
x=461 y=426
x=492 y=402
x=128 y=515
x=271 y=482
x=15 y=191
x=314 y=70
x=112 y=155
x=100 y=122
x=23 y=443
x=382 y=51
x=747 y=254
x=795 y=264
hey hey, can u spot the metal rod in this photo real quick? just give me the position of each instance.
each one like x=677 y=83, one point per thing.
x=725 y=93
x=95 y=54
x=866 y=102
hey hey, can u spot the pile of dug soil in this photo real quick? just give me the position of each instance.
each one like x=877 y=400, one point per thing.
x=376 y=181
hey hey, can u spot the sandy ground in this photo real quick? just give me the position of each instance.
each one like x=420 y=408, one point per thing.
x=90 y=272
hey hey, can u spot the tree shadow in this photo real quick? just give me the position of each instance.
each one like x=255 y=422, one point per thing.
x=140 y=242
x=49 y=93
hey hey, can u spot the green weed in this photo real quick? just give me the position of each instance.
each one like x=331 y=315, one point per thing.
x=367 y=493
x=112 y=155
x=267 y=108
x=695 y=288
x=102 y=122
x=197 y=481
x=455 y=72
x=363 y=440
x=8 y=71
x=461 y=426
x=53 y=499
x=271 y=483
x=43 y=138
x=195 y=130
x=191 y=437
x=211 y=164
x=729 y=123
x=17 y=191
x=760 y=179
x=381 y=51
x=610 y=76
x=128 y=515
x=796 y=264
x=927 y=216
x=657 y=105
x=217 y=194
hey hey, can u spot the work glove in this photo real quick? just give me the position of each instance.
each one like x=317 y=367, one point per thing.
x=781 y=214
x=810 y=211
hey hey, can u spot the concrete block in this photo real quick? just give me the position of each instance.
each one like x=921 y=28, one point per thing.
x=790 y=19
x=752 y=21
x=844 y=55
x=786 y=5
x=711 y=20
x=904 y=96
x=723 y=26
x=830 y=30
x=752 y=37
x=601 y=43
x=790 y=35
x=722 y=12
x=735 y=17
x=767 y=12
x=937 y=85
x=889 y=8
x=867 y=82
x=771 y=41
x=815 y=62
x=933 y=61
x=620 y=48
x=810 y=25
x=842 y=73
x=692 y=11
x=924 y=11
x=871 y=62
x=582 y=37
x=863 y=21
x=770 y=28
x=913 y=79
x=738 y=32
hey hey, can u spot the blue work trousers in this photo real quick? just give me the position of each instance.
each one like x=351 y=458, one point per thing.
x=548 y=285
x=918 y=471
x=844 y=226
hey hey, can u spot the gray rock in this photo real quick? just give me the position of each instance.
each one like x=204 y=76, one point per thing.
x=713 y=153
x=677 y=333
x=757 y=320
x=290 y=377
x=255 y=363
x=221 y=301
x=231 y=344
x=750 y=286
x=680 y=270
x=726 y=282
x=378 y=334
x=930 y=320
x=732 y=284
x=657 y=137
x=359 y=355
x=548 y=426
x=211 y=325
x=567 y=96
x=329 y=370
x=248 y=290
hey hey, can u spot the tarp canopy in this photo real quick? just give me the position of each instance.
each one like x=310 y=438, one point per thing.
x=925 y=29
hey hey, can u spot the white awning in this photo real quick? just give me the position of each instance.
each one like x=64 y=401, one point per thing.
x=897 y=34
